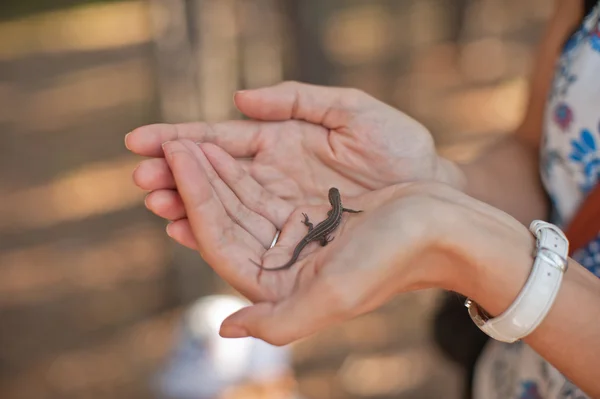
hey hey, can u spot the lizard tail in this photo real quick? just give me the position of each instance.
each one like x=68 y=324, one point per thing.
x=286 y=266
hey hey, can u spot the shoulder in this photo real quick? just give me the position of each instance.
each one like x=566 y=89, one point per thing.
x=565 y=19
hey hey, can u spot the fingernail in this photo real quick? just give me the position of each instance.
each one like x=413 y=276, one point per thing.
x=233 y=332
x=133 y=172
x=125 y=141
x=238 y=92
x=163 y=145
x=167 y=229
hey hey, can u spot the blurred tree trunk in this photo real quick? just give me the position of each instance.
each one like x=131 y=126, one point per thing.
x=176 y=66
x=309 y=63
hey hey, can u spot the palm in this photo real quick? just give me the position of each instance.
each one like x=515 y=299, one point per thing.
x=297 y=147
x=327 y=282
x=273 y=286
x=232 y=231
x=299 y=161
x=301 y=141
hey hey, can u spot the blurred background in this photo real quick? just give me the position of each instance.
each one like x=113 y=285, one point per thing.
x=93 y=295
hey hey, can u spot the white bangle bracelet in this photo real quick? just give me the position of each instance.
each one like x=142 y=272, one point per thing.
x=537 y=296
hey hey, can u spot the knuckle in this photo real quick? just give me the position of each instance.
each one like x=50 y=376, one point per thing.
x=240 y=212
x=290 y=84
x=261 y=201
x=354 y=98
x=272 y=335
x=428 y=188
x=239 y=175
x=275 y=340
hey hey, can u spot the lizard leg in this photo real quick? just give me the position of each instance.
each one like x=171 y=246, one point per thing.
x=307 y=222
x=350 y=210
x=325 y=240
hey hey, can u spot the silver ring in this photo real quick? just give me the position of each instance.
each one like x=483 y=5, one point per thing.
x=275 y=239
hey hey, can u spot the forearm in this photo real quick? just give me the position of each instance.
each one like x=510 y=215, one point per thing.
x=568 y=337
x=507 y=177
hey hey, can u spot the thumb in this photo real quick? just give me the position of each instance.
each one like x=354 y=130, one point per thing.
x=331 y=107
x=280 y=323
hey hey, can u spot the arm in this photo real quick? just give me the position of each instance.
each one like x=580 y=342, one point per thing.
x=568 y=336
x=409 y=237
x=506 y=176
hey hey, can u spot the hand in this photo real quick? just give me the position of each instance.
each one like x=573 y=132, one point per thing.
x=303 y=140
x=395 y=245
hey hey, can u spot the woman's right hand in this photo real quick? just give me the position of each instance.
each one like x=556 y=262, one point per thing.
x=303 y=140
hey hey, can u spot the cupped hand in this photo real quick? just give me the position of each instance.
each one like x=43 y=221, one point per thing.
x=301 y=140
x=374 y=255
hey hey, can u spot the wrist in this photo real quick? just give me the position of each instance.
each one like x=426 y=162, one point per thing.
x=495 y=260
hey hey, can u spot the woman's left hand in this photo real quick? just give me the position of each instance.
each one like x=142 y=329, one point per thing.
x=408 y=237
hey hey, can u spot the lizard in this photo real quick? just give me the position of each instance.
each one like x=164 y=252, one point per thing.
x=321 y=232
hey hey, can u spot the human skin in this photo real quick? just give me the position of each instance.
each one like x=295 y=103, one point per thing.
x=409 y=237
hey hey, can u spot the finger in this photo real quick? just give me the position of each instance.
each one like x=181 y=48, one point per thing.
x=181 y=231
x=245 y=164
x=331 y=107
x=291 y=235
x=252 y=194
x=297 y=316
x=166 y=204
x=238 y=138
x=224 y=245
x=258 y=226
x=153 y=174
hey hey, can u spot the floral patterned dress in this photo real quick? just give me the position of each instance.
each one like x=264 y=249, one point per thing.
x=570 y=168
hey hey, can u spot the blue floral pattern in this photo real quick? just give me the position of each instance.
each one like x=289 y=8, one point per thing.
x=563 y=116
x=529 y=390
x=564 y=79
x=585 y=153
x=570 y=391
x=588 y=31
x=595 y=38
x=589 y=256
